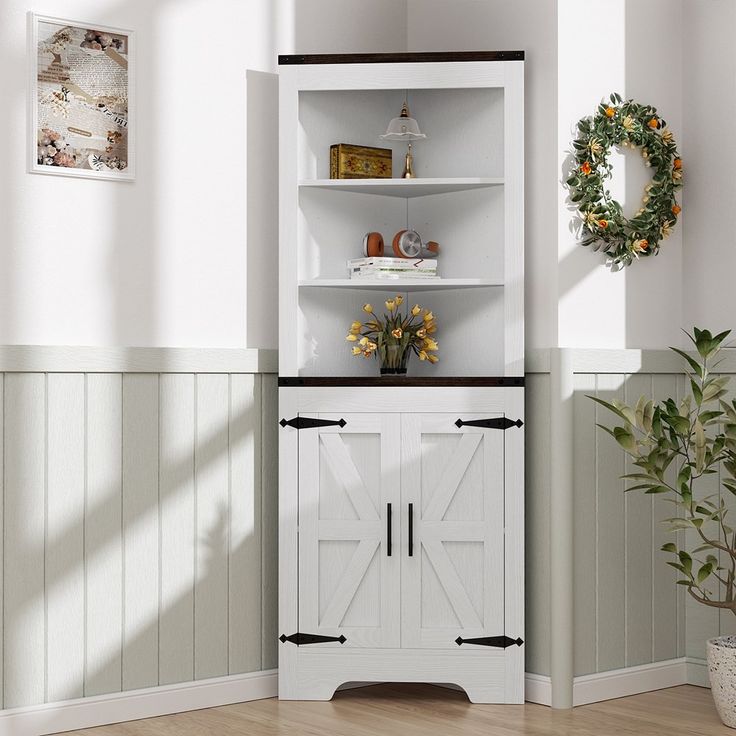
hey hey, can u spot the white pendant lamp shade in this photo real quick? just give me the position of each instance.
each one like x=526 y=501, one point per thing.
x=403 y=128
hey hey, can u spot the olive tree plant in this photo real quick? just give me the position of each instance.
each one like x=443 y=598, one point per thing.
x=673 y=445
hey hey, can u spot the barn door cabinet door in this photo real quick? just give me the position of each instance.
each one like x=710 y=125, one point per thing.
x=452 y=496
x=401 y=530
x=349 y=565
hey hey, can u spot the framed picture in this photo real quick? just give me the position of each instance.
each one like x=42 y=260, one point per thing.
x=81 y=99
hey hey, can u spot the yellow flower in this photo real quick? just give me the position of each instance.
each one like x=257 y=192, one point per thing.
x=422 y=332
x=351 y=337
x=432 y=358
x=397 y=333
x=431 y=329
x=355 y=328
x=422 y=355
x=430 y=344
x=399 y=300
x=667 y=136
x=416 y=309
x=390 y=305
x=368 y=308
x=357 y=351
x=428 y=317
x=371 y=346
x=628 y=123
x=363 y=341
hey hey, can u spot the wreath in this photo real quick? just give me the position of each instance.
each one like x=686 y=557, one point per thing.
x=627 y=124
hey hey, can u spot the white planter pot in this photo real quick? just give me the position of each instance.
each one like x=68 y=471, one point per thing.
x=722 y=675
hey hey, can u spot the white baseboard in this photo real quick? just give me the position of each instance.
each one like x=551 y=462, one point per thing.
x=99 y=710
x=697 y=672
x=537 y=688
x=620 y=683
x=629 y=681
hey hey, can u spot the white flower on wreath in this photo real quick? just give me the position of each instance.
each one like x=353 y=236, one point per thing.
x=677 y=175
x=596 y=147
x=639 y=246
x=628 y=123
x=667 y=136
x=591 y=218
x=666 y=229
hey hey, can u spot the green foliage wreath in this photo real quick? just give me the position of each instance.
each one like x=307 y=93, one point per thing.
x=625 y=123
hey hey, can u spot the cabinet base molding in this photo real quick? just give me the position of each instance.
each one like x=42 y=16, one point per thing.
x=319 y=674
x=99 y=710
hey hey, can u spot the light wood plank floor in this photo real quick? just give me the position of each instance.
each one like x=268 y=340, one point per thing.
x=422 y=710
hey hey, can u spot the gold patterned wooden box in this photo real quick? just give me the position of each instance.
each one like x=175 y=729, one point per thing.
x=359 y=162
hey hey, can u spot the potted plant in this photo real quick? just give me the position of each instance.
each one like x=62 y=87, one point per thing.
x=673 y=446
x=395 y=336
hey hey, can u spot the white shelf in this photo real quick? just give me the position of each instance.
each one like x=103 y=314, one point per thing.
x=400 y=285
x=402 y=187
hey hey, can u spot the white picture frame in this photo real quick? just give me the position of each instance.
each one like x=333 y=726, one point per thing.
x=105 y=173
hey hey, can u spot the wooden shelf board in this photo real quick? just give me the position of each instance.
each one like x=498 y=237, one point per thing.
x=381 y=381
x=400 y=284
x=402 y=187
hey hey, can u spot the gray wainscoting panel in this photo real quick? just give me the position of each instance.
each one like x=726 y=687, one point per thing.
x=24 y=614
x=537 y=532
x=139 y=530
x=628 y=610
x=270 y=520
x=103 y=535
x=703 y=622
x=585 y=525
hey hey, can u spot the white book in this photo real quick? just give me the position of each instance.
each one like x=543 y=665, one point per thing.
x=396 y=275
x=414 y=264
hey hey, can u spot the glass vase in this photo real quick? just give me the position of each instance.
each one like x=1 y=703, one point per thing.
x=394 y=361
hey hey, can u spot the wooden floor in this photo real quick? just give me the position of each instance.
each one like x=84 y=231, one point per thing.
x=423 y=710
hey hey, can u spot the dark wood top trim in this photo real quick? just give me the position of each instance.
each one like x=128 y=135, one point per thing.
x=391 y=381
x=402 y=58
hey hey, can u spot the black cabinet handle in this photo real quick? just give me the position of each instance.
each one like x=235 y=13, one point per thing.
x=411 y=530
x=388 y=530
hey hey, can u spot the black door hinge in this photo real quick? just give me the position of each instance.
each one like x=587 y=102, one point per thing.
x=311 y=422
x=491 y=641
x=300 y=639
x=495 y=423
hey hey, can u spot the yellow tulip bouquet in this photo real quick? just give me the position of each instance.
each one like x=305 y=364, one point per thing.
x=395 y=336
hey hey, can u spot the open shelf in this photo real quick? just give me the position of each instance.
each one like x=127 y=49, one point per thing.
x=403 y=187
x=400 y=285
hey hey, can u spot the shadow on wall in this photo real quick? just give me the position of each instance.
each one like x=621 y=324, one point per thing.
x=138 y=576
x=133 y=274
x=262 y=208
x=643 y=304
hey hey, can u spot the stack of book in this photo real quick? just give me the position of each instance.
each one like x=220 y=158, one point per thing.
x=392 y=268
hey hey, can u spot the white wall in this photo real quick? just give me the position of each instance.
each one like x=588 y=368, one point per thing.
x=164 y=261
x=709 y=214
x=186 y=255
x=437 y=25
x=571 y=297
x=639 y=306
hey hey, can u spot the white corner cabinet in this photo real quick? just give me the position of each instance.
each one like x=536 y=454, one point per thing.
x=401 y=500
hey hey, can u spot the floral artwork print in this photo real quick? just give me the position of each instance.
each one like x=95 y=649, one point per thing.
x=82 y=100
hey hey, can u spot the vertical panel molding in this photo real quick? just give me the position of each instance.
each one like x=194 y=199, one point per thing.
x=561 y=527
